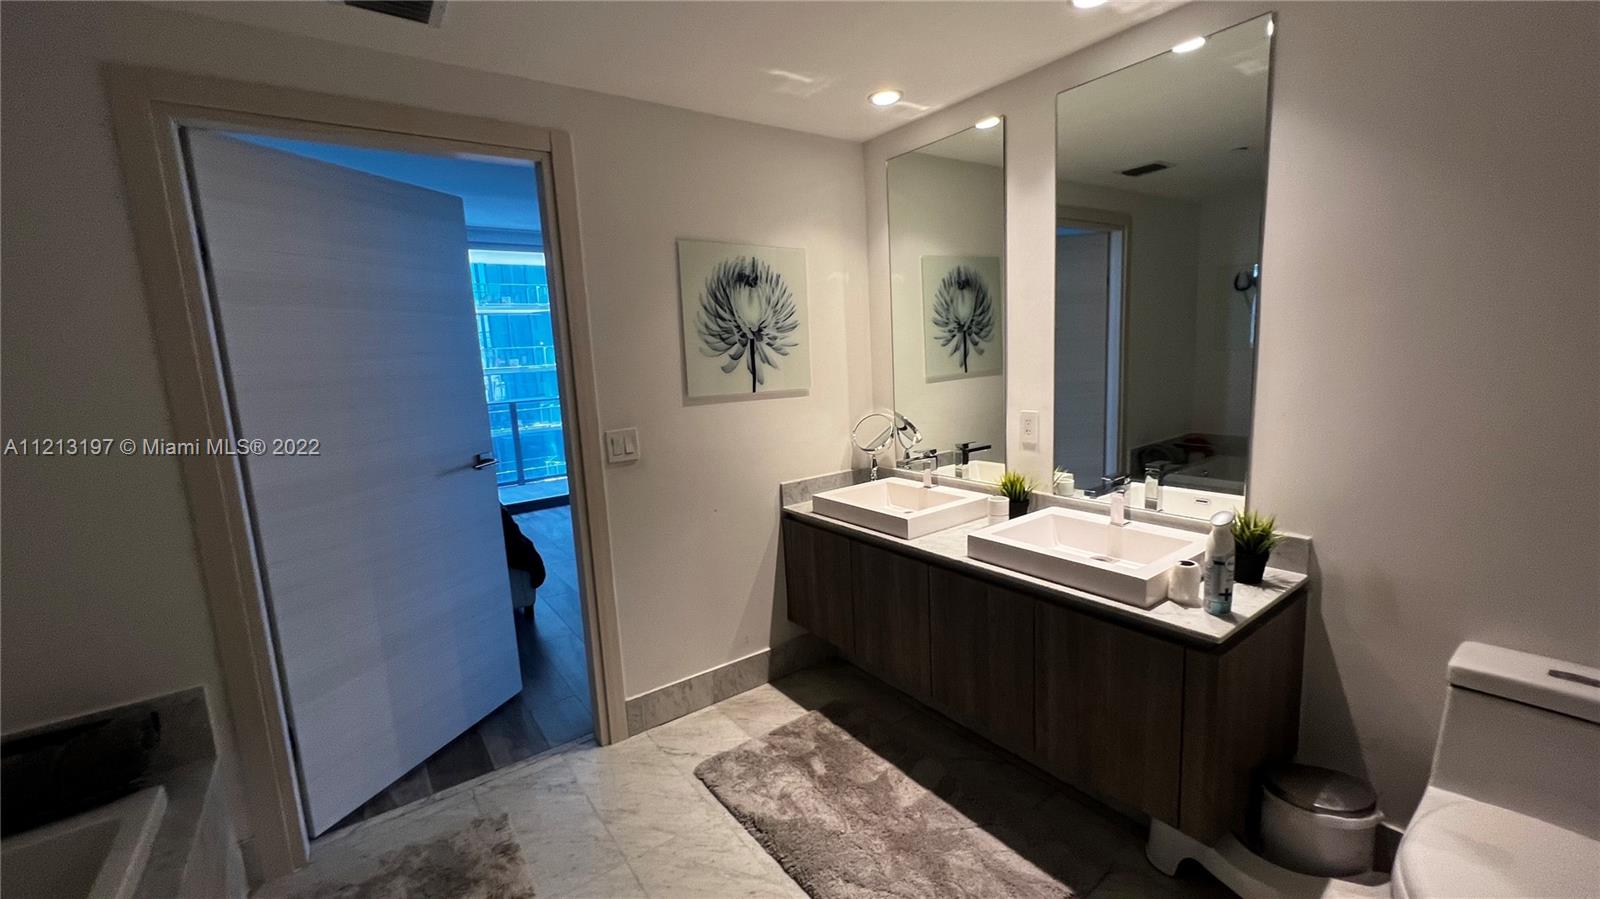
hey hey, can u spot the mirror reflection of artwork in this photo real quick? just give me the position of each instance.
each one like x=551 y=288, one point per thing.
x=961 y=316
x=745 y=327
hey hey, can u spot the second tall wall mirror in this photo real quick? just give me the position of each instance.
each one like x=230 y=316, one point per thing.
x=1160 y=187
x=946 y=255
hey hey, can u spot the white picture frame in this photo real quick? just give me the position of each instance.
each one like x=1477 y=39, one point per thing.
x=746 y=320
x=962 y=317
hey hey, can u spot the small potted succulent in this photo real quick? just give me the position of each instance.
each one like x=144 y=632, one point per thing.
x=1254 y=536
x=1062 y=484
x=1018 y=489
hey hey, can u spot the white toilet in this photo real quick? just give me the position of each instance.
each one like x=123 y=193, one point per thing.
x=1512 y=807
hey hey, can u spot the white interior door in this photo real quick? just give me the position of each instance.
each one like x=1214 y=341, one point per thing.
x=345 y=314
x=1082 y=303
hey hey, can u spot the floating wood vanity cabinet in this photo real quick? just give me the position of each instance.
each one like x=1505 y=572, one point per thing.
x=1154 y=722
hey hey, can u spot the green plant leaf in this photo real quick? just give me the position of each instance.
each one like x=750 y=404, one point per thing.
x=1016 y=486
x=1256 y=532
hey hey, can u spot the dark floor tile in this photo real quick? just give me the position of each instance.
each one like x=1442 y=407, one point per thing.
x=413 y=786
x=564 y=602
x=459 y=761
x=565 y=720
x=510 y=734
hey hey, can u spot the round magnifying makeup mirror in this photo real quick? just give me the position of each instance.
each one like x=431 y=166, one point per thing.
x=875 y=431
x=906 y=432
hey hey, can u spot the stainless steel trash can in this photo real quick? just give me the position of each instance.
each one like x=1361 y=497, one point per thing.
x=1318 y=821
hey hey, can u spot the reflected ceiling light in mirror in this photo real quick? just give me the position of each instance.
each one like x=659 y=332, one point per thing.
x=1190 y=45
x=987 y=122
x=888 y=97
x=1088 y=4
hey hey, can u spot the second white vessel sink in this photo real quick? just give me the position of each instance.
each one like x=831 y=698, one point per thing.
x=1128 y=563
x=901 y=508
x=976 y=470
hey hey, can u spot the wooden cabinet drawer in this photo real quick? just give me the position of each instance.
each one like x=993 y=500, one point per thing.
x=1110 y=709
x=816 y=567
x=890 y=592
x=982 y=659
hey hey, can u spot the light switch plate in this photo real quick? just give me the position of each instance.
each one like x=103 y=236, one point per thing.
x=1030 y=428
x=622 y=445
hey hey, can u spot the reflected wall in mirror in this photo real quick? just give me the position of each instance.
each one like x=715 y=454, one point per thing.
x=1160 y=187
x=947 y=290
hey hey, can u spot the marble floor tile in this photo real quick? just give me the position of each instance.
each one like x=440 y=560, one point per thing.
x=617 y=883
x=814 y=688
x=716 y=862
x=644 y=799
x=352 y=855
x=564 y=843
x=1152 y=884
x=692 y=739
x=759 y=711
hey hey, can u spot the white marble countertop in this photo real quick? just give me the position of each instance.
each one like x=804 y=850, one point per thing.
x=1193 y=625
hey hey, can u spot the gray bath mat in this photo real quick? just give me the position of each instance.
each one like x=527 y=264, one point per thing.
x=854 y=806
x=480 y=861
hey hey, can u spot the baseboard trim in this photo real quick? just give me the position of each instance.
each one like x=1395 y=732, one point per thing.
x=709 y=687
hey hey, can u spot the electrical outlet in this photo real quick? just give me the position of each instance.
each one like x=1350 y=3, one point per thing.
x=1030 y=428
x=622 y=445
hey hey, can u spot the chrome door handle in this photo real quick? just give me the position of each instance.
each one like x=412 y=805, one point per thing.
x=482 y=461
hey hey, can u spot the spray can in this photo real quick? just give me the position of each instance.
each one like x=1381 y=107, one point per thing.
x=1219 y=586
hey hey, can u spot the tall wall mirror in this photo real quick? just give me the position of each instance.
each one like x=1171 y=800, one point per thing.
x=1161 y=182
x=946 y=255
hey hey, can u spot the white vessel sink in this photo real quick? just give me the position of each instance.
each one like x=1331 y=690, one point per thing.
x=977 y=470
x=1192 y=503
x=901 y=508
x=1081 y=549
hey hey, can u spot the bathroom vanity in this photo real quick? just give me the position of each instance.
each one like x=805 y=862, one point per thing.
x=1166 y=711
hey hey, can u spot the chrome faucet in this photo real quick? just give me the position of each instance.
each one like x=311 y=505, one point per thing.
x=928 y=457
x=1112 y=485
x=1152 y=487
x=1119 y=507
x=967 y=449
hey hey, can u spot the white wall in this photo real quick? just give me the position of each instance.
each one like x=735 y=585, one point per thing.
x=1224 y=359
x=1429 y=389
x=103 y=602
x=943 y=207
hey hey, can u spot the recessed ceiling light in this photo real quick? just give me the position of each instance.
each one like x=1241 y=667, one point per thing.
x=1088 y=4
x=987 y=122
x=1190 y=45
x=885 y=98
x=1270 y=29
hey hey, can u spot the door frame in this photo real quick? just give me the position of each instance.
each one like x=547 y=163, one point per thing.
x=1120 y=222
x=149 y=107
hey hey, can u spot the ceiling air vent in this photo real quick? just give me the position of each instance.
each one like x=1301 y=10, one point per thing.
x=1145 y=169
x=422 y=11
